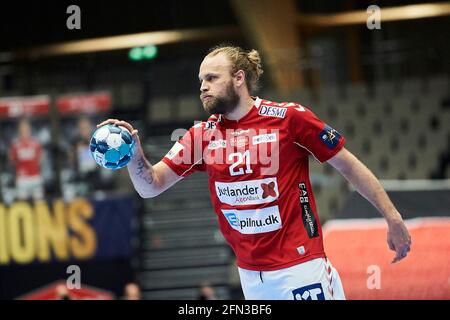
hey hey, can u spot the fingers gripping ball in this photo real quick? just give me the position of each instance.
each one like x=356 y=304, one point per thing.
x=112 y=146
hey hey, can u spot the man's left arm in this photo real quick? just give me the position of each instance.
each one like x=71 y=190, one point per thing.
x=365 y=182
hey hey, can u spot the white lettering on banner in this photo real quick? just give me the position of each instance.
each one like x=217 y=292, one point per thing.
x=254 y=221
x=264 y=138
x=247 y=192
x=216 y=144
x=272 y=111
x=177 y=147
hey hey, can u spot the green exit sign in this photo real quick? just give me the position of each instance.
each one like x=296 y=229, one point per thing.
x=143 y=53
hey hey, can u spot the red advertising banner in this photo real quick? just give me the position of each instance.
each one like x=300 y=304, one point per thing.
x=15 y=107
x=422 y=275
x=84 y=103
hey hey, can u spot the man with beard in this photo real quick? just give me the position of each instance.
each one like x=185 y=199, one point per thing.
x=255 y=153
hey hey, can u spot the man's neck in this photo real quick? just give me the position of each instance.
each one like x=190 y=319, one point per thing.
x=242 y=109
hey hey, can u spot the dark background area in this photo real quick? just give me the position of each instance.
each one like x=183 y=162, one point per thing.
x=404 y=71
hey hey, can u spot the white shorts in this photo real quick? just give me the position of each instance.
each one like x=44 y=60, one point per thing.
x=29 y=187
x=312 y=280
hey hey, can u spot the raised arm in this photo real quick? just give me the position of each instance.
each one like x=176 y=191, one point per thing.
x=149 y=181
x=365 y=182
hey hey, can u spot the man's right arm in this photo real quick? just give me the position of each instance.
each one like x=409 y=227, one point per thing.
x=149 y=181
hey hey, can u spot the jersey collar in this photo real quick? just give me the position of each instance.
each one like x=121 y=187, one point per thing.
x=256 y=105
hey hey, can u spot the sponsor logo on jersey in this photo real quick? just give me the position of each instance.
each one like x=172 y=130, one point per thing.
x=301 y=250
x=270 y=111
x=254 y=221
x=268 y=190
x=239 y=141
x=177 y=147
x=311 y=292
x=239 y=132
x=247 y=192
x=330 y=137
x=264 y=138
x=308 y=218
x=210 y=125
x=217 y=144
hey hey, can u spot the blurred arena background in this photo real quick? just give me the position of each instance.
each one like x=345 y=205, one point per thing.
x=386 y=89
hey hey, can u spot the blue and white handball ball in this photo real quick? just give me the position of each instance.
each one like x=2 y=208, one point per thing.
x=112 y=146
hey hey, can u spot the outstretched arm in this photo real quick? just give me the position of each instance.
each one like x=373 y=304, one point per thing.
x=149 y=181
x=365 y=182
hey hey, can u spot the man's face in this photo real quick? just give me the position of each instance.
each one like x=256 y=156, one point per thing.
x=24 y=129
x=132 y=292
x=85 y=128
x=218 y=94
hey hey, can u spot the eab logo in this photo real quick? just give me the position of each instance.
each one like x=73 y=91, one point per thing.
x=272 y=111
x=311 y=292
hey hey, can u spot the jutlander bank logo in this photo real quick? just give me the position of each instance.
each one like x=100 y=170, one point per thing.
x=247 y=192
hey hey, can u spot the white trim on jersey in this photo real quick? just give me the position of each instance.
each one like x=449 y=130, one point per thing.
x=258 y=102
x=308 y=151
x=182 y=175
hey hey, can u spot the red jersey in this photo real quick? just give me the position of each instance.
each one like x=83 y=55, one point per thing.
x=259 y=183
x=26 y=156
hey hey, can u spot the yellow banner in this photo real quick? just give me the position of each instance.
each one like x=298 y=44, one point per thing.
x=41 y=232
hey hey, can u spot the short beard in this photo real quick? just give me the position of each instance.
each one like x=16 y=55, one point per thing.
x=224 y=104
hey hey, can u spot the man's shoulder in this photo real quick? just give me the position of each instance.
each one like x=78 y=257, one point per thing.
x=209 y=124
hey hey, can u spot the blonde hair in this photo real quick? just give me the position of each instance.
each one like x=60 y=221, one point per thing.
x=248 y=61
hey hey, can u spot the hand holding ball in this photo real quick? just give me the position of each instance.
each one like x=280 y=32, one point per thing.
x=112 y=146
